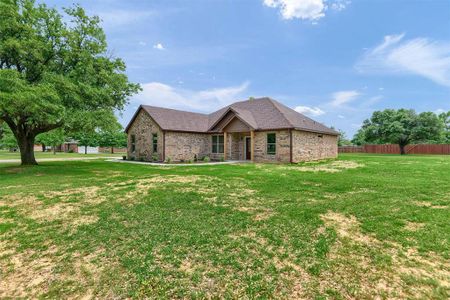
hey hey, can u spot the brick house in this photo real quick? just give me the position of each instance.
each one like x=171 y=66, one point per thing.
x=260 y=130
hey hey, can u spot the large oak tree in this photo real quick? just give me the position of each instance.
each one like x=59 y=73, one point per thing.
x=402 y=127
x=55 y=73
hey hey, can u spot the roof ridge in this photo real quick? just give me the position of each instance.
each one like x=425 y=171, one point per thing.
x=173 y=109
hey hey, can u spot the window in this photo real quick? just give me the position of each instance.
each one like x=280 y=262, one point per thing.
x=133 y=143
x=217 y=144
x=155 y=142
x=271 y=143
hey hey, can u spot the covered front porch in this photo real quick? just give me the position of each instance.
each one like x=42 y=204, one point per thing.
x=239 y=146
x=237 y=135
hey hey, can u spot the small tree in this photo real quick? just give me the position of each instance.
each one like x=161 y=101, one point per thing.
x=87 y=139
x=113 y=139
x=52 y=138
x=401 y=127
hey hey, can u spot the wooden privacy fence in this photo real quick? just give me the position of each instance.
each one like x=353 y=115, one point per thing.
x=395 y=149
x=350 y=149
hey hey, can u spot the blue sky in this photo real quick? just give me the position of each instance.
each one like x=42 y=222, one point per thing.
x=335 y=60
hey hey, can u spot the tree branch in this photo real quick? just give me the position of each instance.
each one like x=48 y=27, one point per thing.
x=10 y=122
x=47 y=127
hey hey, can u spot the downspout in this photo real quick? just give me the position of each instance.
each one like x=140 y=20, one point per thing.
x=290 y=146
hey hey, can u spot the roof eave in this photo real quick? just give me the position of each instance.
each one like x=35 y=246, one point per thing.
x=317 y=131
x=136 y=114
x=133 y=118
x=220 y=118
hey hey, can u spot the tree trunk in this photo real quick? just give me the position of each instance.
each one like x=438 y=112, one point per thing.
x=402 y=149
x=43 y=148
x=26 y=146
x=85 y=149
x=112 y=150
x=54 y=150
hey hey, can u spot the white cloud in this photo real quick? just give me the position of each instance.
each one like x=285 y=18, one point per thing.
x=305 y=9
x=419 y=56
x=160 y=94
x=310 y=111
x=344 y=97
x=340 y=4
x=439 y=111
x=159 y=46
x=120 y=17
x=142 y=43
x=373 y=100
x=341 y=117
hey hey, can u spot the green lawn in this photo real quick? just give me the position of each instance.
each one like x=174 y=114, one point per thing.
x=16 y=155
x=359 y=227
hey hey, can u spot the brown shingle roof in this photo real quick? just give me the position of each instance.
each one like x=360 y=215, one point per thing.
x=178 y=120
x=261 y=114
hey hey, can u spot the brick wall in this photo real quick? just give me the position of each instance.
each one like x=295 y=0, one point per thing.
x=310 y=146
x=143 y=127
x=282 y=147
x=185 y=145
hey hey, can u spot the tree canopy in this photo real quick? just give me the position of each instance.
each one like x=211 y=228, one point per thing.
x=445 y=118
x=402 y=127
x=7 y=139
x=55 y=74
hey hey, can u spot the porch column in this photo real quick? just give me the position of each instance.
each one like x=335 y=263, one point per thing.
x=252 y=145
x=225 y=145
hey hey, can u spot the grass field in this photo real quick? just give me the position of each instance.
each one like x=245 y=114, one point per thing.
x=358 y=227
x=16 y=155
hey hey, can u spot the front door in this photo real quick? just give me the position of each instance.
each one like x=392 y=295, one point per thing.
x=248 y=148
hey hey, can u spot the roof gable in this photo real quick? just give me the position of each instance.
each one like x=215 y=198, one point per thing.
x=236 y=125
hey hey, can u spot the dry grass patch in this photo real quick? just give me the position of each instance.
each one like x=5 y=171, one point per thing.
x=331 y=167
x=18 y=200
x=354 y=275
x=293 y=280
x=84 y=220
x=64 y=205
x=67 y=209
x=347 y=227
x=429 y=204
x=188 y=183
x=31 y=274
x=26 y=275
x=413 y=226
x=6 y=248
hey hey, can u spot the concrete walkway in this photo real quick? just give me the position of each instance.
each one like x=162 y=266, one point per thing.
x=58 y=159
x=229 y=162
